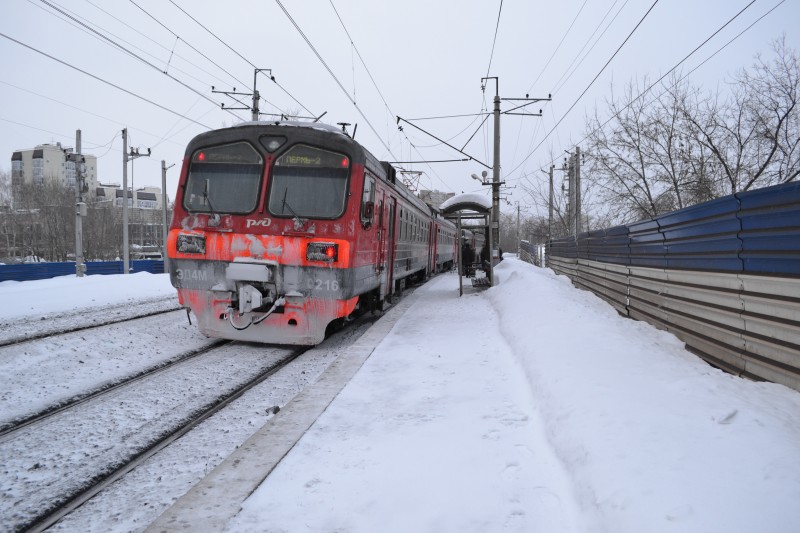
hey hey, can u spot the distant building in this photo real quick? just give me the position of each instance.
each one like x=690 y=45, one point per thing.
x=143 y=198
x=435 y=198
x=48 y=163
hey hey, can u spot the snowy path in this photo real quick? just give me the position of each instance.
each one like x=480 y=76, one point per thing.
x=437 y=432
x=535 y=407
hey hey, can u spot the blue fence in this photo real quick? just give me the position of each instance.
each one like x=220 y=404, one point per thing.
x=32 y=271
x=724 y=276
x=755 y=232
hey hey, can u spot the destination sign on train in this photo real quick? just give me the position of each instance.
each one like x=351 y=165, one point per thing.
x=310 y=157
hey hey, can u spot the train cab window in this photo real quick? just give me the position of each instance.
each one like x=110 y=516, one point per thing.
x=223 y=179
x=309 y=182
x=368 y=201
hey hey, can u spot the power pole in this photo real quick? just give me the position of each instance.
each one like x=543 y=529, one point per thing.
x=126 y=254
x=573 y=168
x=255 y=94
x=578 y=228
x=550 y=206
x=495 y=239
x=125 y=251
x=518 y=238
x=80 y=207
x=494 y=234
x=164 y=168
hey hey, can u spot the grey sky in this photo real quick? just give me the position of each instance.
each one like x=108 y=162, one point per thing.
x=426 y=58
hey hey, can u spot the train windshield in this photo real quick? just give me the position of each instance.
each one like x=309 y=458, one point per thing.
x=224 y=179
x=309 y=182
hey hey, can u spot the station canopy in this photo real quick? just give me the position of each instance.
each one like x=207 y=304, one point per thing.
x=470 y=201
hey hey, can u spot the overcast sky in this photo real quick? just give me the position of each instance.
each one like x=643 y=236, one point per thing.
x=423 y=59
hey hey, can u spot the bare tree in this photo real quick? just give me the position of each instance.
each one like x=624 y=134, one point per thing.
x=754 y=136
x=619 y=162
x=658 y=154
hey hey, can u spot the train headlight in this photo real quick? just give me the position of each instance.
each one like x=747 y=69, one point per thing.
x=322 y=251
x=191 y=244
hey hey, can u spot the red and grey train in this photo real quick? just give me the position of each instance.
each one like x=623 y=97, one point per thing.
x=281 y=228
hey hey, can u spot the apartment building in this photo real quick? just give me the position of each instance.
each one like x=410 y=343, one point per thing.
x=48 y=163
x=141 y=198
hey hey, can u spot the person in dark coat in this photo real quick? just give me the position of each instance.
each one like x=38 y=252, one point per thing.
x=485 y=254
x=467 y=258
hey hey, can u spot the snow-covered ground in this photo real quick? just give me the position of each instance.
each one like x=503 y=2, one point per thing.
x=71 y=295
x=531 y=406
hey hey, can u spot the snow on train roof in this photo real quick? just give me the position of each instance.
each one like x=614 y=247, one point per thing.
x=470 y=201
x=294 y=123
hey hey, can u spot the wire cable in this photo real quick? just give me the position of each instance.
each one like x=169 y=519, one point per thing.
x=494 y=41
x=244 y=59
x=83 y=26
x=558 y=85
x=214 y=35
x=648 y=89
x=374 y=83
x=131 y=93
x=588 y=86
x=559 y=45
x=140 y=58
x=243 y=84
x=313 y=49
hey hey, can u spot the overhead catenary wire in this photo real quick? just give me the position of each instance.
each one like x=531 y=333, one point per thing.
x=372 y=79
x=690 y=54
x=98 y=78
x=64 y=135
x=571 y=107
x=223 y=69
x=567 y=75
x=706 y=60
x=380 y=93
x=339 y=83
x=136 y=56
x=559 y=45
x=87 y=112
x=229 y=47
x=494 y=40
x=214 y=35
x=72 y=18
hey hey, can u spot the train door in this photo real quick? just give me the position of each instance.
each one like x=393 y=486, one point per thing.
x=430 y=233
x=382 y=265
x=392 y=244
x=434 y=247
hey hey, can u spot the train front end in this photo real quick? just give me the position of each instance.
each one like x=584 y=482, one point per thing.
x=261 y=243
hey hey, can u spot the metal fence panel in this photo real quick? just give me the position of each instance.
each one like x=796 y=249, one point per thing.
x=724 y=276
x=34 y=271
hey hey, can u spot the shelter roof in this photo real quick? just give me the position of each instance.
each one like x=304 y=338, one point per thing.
x=466 y=202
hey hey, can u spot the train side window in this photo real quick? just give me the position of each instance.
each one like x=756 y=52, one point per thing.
x=368 y=201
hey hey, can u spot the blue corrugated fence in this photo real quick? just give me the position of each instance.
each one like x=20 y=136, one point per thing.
x=724 y=276
x=33 y=271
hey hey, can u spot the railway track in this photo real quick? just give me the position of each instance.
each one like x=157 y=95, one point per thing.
x=75 y=465
x=54 y=409
x=60 y=461
x=54 y=326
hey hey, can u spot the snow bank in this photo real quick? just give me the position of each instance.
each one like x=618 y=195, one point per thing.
x=654 y=438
